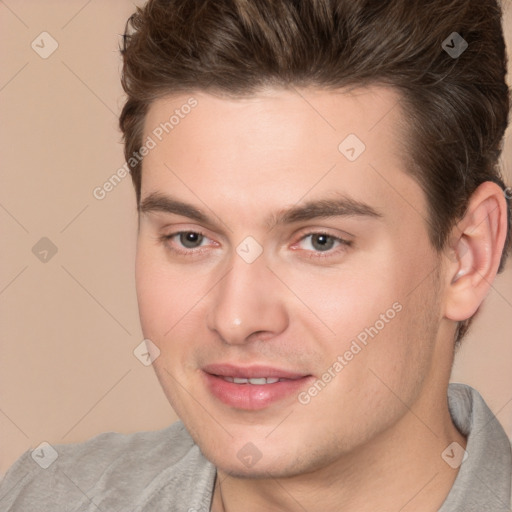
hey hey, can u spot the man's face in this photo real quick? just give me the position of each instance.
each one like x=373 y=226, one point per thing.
x=268 y=250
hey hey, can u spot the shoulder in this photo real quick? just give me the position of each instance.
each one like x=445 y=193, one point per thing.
x=115 y=470
x=484 y=477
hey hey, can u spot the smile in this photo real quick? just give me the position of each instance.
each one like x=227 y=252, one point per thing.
x=254 y=381
x=253 y=388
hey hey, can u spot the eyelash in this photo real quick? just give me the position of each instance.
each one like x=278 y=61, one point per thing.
x=342 y=245
x=165 y=239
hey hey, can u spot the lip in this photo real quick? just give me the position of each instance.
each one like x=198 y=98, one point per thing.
x=252 y=396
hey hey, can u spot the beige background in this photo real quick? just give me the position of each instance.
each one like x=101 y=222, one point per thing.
x=69 y=325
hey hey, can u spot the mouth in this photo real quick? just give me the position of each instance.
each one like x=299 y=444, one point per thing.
x=252 y=388
x=256 y=381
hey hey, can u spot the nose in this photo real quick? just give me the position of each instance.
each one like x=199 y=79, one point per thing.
x=247 y=304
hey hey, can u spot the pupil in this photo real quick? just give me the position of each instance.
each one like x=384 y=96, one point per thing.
x=190 y=239
x=322 y=242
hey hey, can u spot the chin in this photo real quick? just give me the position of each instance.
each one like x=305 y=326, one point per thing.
x=261 y=469
x=242 y=458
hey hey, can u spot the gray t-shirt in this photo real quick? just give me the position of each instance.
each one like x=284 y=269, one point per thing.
x=165 y=471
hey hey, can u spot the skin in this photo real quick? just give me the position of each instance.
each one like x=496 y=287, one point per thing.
x=372 y=439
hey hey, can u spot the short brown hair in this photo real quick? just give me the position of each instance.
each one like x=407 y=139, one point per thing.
x=456 y=106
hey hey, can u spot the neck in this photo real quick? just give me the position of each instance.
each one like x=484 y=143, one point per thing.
x=400 y=469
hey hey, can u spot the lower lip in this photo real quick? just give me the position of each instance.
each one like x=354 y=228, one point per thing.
x=253 y=397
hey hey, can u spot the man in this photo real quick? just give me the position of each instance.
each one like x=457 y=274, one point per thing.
x=321 y=216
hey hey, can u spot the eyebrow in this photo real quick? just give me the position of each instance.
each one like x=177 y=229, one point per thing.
x=156 y=202
x=342 y=206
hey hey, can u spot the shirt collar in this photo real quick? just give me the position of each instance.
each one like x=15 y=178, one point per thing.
x=484 y=479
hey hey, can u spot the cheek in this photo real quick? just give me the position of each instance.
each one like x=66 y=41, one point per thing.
x=151 y=294
x=373 y=311
x=399 y=359
x=343 y=301
x=164 y=295
x=381 y=359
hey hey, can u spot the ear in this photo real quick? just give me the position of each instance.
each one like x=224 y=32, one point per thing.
x=475 y=247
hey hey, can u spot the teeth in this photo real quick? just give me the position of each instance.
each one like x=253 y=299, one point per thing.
x=256 y=381
x=261 y=380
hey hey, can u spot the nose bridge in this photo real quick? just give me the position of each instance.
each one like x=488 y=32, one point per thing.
x=246 y=302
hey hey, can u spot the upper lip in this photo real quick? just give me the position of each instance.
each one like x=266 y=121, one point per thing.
x=251 y=372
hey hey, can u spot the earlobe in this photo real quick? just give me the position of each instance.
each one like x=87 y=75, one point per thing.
x=477 y=243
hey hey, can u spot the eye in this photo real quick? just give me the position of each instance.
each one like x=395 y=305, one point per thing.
x=322 y=243
x=186 y=242
x=190 y=239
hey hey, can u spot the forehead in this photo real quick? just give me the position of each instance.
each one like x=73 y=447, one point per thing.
x=279 y=147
